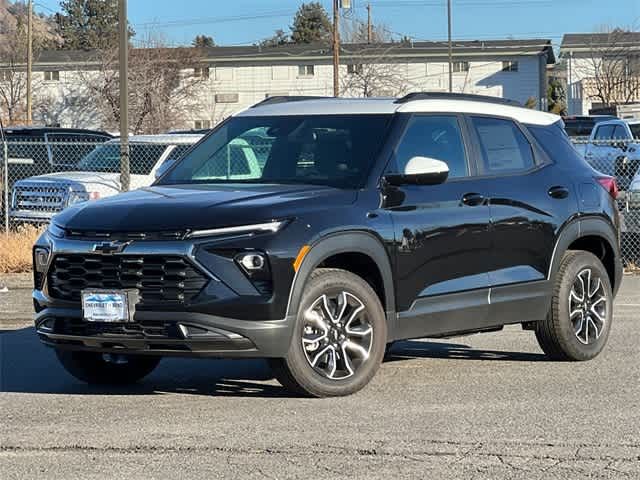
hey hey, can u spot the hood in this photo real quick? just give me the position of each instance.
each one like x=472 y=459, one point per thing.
x=111 y=180
x=182 y=207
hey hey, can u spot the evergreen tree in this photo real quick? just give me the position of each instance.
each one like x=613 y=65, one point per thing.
x=311 y=24
x=278 y=38
x=88 y=24
x=203 y=41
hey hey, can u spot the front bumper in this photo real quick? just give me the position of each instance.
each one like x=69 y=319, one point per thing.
x=184 y=334
x=31 y=216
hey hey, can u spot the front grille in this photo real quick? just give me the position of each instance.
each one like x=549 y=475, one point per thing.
x=147 y=329
x=39 y=197
x=163 y=281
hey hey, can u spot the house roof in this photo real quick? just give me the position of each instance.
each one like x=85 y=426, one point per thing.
x=293 y=53
x=584 y=42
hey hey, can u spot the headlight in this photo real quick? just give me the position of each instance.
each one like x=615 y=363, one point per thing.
x=55 y=231
x=78 y=197
x=270 y=227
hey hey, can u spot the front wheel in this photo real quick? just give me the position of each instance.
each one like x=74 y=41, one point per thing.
x=106 y=369
x=339 y=338
x=579 y=322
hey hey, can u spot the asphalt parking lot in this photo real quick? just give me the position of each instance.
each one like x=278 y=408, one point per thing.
x=485 y=406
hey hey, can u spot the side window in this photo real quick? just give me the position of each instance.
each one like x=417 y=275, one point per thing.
x=436 y=137
x=503 y=146
x=604 y=132
x=619 y=133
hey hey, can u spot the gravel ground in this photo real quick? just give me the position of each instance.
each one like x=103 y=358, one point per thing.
x=485 y=406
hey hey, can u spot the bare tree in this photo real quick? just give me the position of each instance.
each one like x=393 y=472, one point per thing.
x=371 y=72
x=13 y=56
x=612 y=68
x=163 y=83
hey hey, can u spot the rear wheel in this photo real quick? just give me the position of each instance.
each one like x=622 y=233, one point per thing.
x=339 y=338
x=106 y=369
x=578 y=325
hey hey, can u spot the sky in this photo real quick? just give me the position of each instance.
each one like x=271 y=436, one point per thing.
x=244 y=22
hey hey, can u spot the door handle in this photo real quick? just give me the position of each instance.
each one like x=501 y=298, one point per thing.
x=559 y=192
x=473 y=199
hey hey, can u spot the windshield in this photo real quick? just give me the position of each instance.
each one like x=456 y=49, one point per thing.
x=106 y=158
x=635 y=130
x=332 y=150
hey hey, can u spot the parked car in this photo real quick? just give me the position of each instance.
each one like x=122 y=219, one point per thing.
x=614 y=149
x=97 y=175
x=371 y=221
x=579 y=128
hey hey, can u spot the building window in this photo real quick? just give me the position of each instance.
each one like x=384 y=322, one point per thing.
x=306 y=70
x=227 y=98
x=5 y=75
x=201 y=72
x=509 y=66
x=354 y=69
x=459 y=67
x=52 y=76
x=202 y=124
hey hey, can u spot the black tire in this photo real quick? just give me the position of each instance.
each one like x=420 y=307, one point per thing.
x=94 y=369
x=295 y=372
x=557 y=333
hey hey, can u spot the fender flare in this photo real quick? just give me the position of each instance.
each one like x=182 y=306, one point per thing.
x=578 y=228
x=344 y=242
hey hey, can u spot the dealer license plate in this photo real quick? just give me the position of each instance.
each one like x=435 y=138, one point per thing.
x=110 y=306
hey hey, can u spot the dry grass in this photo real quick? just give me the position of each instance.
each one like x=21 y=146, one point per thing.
x=15 y=249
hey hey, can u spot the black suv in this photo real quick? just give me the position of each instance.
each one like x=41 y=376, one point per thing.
x=370 y=221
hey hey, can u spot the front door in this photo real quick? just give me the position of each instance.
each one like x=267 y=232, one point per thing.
x=442 y=251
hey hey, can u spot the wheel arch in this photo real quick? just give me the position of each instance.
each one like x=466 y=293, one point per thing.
x=592 y=234
x=328 y=251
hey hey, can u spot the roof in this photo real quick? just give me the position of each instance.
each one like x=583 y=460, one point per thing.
x=584 y=42
x=288 y=53
x=172 y=139
x=364 y=106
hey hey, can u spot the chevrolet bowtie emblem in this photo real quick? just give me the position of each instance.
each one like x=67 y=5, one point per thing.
x=109 y=248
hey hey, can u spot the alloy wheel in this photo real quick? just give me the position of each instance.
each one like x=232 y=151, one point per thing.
x=337 y=336
x=588 y=306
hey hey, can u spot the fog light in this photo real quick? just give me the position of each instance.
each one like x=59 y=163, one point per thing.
x=252 y=261
x=40 y=259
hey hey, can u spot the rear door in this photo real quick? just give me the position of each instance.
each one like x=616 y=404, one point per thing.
x=528 y=201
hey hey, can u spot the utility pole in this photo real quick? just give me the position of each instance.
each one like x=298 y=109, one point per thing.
x=450 y=47
x=123 y=30
x=29 y=60
x=369 y=24
x=336 y=48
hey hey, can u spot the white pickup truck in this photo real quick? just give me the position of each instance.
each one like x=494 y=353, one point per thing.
x=614 y=149
x=37 y=199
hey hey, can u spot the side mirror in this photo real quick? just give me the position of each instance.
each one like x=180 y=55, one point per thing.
x=421 y=171
x=164 y=167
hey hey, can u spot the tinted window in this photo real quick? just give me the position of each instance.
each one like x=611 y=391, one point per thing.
x=435 y=137
x=503 y=146
x=635 y=130
x=555 y=142
x=333 y=150
x=604 y=132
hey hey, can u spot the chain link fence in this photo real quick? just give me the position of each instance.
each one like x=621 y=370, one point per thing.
x=620 y=158
x=42 y=177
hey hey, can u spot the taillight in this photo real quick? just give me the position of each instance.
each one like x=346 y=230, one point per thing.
x=610 y=185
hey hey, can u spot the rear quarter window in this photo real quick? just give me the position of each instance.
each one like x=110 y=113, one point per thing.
x=556 y=143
